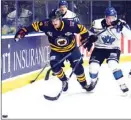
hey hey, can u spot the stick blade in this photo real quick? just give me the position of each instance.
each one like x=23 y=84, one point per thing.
x=50 y=98
x=32 y=81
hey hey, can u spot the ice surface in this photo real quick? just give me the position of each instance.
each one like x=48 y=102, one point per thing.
x=106 y=101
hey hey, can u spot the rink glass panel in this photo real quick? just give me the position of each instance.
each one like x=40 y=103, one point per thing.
x=34 y=10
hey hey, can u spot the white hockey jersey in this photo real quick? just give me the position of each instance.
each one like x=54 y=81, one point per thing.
x=110 y=39
x=71 y=16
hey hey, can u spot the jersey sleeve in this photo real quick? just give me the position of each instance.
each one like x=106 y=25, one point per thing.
x=37 y=26
x=95 y=28
x=81 y=29
x=92 y=29
x=126 y=31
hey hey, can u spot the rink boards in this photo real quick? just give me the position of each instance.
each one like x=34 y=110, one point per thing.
x=22 y=60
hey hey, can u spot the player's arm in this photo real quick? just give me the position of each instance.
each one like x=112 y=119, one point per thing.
x=93 y=29
x=34 y=27
x=85 y=36
x=122 y=26
x=82 y=30
x=126 y=31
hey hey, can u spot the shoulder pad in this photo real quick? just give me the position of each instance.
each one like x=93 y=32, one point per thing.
x=97 y=23
x=122 y=20
x=71 y=14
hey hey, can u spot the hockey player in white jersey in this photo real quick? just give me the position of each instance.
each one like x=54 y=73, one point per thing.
x=107 y=46
x=66 y=13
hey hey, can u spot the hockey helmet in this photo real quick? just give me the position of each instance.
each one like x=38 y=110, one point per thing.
x=63 y=2
x=55 y=14
x=110 y=11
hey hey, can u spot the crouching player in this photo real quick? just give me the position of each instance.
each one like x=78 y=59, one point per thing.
x=62 y=39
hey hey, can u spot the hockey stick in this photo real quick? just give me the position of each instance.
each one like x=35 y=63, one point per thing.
x=39 y=74
x=64 y=58
x=56 y=97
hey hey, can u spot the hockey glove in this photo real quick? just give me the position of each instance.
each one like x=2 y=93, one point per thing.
x=119 y=25
x=20 y=34
x=90 y=41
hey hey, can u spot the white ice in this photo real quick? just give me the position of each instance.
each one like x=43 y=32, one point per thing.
x=106 y=101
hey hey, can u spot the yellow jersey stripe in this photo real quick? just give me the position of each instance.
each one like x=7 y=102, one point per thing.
x=83 y=31
x=80 y=26
x=36 y=26
x=62 y=26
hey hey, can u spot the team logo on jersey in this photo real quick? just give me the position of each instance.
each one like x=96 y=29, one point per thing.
x=52 y=57
x=61 y=41
x=108 y=39
x=49 y=33
x=68 y=33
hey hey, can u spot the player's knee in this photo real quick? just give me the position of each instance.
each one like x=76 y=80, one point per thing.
x=58 y=71
x=93 y=69
x=115 y=69
x=55 y=69
x=79 y=70
x=113 y=65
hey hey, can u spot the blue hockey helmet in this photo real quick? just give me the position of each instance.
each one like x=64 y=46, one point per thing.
x=63 y=2
x=110 y=11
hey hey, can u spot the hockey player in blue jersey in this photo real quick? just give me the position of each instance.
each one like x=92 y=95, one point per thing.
x=107 y=46
x=61 y=34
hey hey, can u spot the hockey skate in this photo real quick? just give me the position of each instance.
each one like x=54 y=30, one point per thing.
x=64 y=86
x=91 y=86
x=124 y=88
